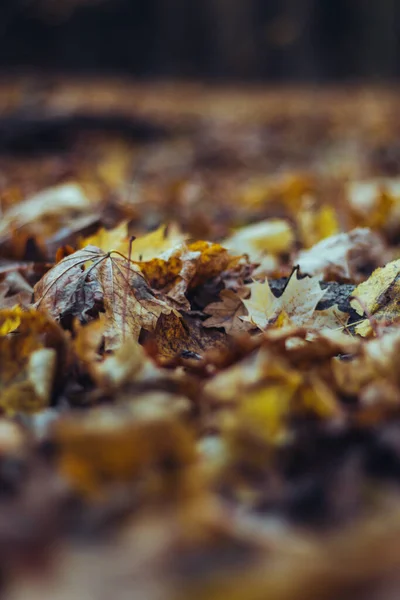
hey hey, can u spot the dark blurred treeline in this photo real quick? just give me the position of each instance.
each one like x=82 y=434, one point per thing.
x=278 y=40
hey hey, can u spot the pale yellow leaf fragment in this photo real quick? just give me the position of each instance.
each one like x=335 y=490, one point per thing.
x=153 y=244
x=267 y=409
x=316 y=223
x=110 y=239
x=10 y=324
x=273 y=236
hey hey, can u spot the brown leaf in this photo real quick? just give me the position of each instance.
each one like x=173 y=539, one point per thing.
x=187 y=267
x=14 y=289
x=186 y=337
x=227 y=313
x=110 y=283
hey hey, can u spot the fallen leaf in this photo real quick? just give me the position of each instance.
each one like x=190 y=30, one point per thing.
x=227 y=313
x=127 y=364
x=298 y=301
x=46 y=211
x=344 y=256
x=273 y=236
x=372 y=201
x=15 y=290
x=109 y=239
x=154 y=244
x=186 y=267
x=111 y=446
x=185 y=337
x=111 y=284
x=32 y=347
x=315 y=223
x=377 y=297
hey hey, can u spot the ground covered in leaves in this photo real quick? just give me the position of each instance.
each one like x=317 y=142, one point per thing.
x=199 y=333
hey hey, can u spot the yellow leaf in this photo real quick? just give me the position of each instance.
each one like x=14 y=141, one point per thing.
x=273 y=235
x=298 y=301
x=261 y=306
x=371 y=202
x=157 y=242
x=28 y=360
x=186 y=267
x=378 y=297
x=267 y=409
x=11 y=323
x=109 y=239
x=316 y=224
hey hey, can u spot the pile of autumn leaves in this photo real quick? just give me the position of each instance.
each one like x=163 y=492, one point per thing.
x=122 y=309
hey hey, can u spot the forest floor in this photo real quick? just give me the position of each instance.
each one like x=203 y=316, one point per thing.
x=199 y=333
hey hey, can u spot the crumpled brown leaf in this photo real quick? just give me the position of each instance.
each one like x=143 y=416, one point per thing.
x=227 y=313
x=111 y=284
x=186 y=267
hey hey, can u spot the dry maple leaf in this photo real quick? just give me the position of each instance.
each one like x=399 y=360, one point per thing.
x=227 y=313
x=110 y=283
x=298 y=301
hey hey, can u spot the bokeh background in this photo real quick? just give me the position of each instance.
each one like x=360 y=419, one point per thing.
x=265 y=40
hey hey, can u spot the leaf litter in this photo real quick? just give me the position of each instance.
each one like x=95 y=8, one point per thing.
x=200 y=366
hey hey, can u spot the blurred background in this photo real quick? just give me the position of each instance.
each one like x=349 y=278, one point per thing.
x=259 y=40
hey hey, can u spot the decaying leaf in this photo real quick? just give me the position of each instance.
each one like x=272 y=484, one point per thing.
x=186 y=267
x=227 y=313
x=109 y=283
x=15 y=290
x=185 y=337
x=345 y=256
x=127 y=364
